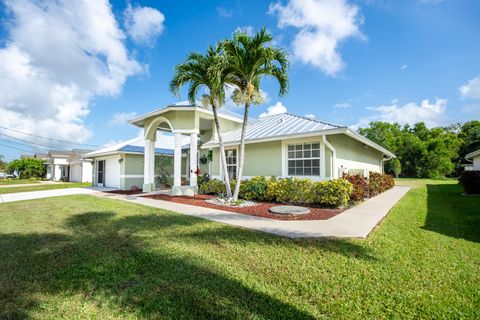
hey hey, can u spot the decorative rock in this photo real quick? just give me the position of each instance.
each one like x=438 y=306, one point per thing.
x=289 y=210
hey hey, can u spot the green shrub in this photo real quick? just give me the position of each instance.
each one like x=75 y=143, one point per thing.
x=470 y=181
x=294 y=190
x=380 y=183
x=254 y=189
x=214 y=186
x=27 y=168
x=332 y=193
x=271 y=193
x=361 y=188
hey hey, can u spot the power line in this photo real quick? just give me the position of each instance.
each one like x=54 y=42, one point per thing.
x=54 y=140
x=1 y=144
x=34 y=144
x=22 y=144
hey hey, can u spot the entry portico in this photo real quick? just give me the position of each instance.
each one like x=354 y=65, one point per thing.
x=180 y=120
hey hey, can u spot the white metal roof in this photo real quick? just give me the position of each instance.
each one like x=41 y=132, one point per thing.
x=277 y=125
x=473 y=154
x=289 y=125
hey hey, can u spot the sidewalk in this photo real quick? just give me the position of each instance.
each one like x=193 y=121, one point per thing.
x=30 y=195
x=356 y=222
x=29 y=184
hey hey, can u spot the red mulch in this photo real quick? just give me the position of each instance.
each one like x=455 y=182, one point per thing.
x=260 y=210
x=126 y=192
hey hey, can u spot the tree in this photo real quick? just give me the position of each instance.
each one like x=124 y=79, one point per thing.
x=3 y=164
x=27 y=168
x=250 y=59
x=208 y=72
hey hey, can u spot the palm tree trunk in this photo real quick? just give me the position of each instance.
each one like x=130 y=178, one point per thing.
x=222 y=153
x=241 y=152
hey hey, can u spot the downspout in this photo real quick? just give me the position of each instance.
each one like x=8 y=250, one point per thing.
x=382 y=163
x=334 y=172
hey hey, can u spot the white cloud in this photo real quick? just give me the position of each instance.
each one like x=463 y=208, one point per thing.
x=323 y=25
x=403 y=67
x=143 y=24
x=310 y=115
x=275 y=109
x=121 y=118
x=58 y=56
x=223 y=12
x=247 y=29
x=471 y=90
x=344 y=105
x=431 y=113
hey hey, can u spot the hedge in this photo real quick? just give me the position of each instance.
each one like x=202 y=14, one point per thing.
x=364 y=188
x=470 y=181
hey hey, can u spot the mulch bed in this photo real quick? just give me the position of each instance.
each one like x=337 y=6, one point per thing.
x=260 y=210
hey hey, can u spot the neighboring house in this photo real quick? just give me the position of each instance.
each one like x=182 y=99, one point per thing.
x=120 y=166
x=282 y=145
x=67 y=165
x=473 y=157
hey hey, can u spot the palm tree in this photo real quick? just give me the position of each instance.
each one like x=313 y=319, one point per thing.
x=205 y=71
x=251 y=58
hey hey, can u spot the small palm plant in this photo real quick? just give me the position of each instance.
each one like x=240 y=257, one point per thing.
x=250 y=59
x=208 y=72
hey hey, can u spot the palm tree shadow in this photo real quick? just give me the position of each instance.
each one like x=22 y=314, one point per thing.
x=452 y=214
x=103 y=256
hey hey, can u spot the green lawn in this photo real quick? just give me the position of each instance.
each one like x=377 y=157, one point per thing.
x=82 y=257
x=35 y=187
x=17 y=181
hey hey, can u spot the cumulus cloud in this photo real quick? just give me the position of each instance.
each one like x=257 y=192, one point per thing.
x=431 y=113
x=322 y=25
x=343 y=105
x=57 y=56
x=143 y=24
x=471 y=90
x=275 y=109
x=121 y=118
x=310 y=116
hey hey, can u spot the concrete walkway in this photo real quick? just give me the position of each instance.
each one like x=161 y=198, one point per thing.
x=30 y=195
x=40 y=183
x=356 y=222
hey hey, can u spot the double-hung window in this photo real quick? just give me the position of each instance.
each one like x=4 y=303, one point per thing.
x=231 y=157
x=304 y=159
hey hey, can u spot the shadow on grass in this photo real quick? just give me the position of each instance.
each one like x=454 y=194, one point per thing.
x=102 y=257
x=452 y=214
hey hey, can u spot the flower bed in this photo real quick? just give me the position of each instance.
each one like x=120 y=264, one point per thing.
x=259 y=210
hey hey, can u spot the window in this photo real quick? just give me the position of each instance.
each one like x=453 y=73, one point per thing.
x=304 y=159
x=231 y=156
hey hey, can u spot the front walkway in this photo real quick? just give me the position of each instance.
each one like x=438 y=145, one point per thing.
x=356 y=222
x=39 y=183
x=30 y=195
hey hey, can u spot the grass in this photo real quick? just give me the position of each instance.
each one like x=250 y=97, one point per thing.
x=82 y=257
x=17 y=181
x=34 y=187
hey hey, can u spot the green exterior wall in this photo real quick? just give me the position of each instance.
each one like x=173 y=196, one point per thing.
x=350 y=149
x=263 y=159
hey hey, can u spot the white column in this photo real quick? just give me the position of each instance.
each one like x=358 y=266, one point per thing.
x=323 y=163
x=148 y=165
x=177 y=161
x=193 y=159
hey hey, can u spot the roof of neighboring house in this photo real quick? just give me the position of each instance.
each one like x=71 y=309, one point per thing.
x=163 y=146
x=472 y=155
x=284 y=125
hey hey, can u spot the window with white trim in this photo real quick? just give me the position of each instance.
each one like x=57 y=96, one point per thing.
x=304 y=159
x=231 y=157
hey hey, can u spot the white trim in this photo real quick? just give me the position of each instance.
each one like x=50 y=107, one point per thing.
x=285 y=144
x=128 y=176
x=472 y=155
x=186 y=131
x=333 y=163
x=222 y=176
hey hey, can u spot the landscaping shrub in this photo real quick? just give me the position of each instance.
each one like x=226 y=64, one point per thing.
x=294 y=190
x=254 y=189
x=361 y=188
x=271 y=193
x=380 y=183
x=332 y=193
x=214 y=186
x=470 y=181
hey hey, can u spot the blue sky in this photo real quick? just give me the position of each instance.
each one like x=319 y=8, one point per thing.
x=76 y=71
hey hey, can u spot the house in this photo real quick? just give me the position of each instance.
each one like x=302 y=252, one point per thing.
x=67 y=165
x=120 y=166
x=473 y=157
x=282 y=145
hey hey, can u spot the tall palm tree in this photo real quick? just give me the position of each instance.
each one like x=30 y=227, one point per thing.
x=208 y=72
x=250 y=59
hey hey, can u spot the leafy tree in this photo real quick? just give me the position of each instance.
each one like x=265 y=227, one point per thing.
x=205 y=71
x=250 y=59
x=3 y=164
x=27 y=168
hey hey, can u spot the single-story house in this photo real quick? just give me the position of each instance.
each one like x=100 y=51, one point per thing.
x=120 y=166
x=282 y=145
x=67 y=165
x=473 y=157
